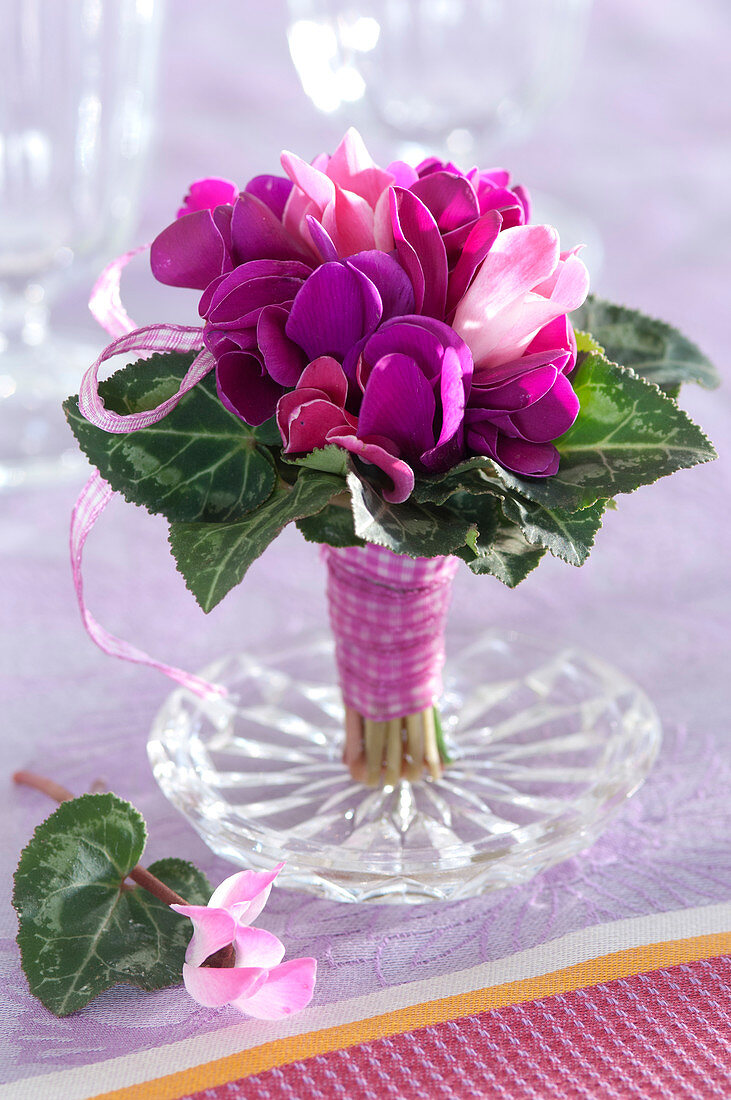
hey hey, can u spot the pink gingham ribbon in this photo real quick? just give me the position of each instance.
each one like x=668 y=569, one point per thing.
x=388 y=613
x=106 y=306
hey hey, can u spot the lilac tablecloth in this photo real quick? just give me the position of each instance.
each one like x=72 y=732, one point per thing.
x=642 y=145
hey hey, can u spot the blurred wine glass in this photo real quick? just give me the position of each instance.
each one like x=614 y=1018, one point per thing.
x=76 y=93
x=450 y=76
x=453 y=78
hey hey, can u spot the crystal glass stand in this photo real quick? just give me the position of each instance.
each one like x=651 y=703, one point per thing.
x=545 y=746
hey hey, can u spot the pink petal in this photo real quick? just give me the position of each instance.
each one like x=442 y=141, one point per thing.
x=394 y=468
x=319 y=189
x=403 y=174
x=382 y=231
x=349 y=221
x=326 y=374
x=212 y=930
x=310 y=424
x=256 y=947
x=252 y=887
x=492 y=317
x=296 y=210
x=288 y=989
x=352 y=168
x=213 y=986
x=569 y=285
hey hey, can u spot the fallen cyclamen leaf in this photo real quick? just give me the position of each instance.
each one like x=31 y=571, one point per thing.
x=227 y=962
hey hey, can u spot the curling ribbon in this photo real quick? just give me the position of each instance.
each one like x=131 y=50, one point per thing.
x=106 y=306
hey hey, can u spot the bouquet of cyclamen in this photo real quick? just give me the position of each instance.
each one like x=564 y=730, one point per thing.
x=387 y=360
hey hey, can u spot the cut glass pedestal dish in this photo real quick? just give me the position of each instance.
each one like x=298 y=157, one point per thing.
x=545 y=746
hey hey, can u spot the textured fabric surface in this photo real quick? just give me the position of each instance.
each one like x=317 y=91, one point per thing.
x=655 y=1036
x=388 y=613
x=640 y=146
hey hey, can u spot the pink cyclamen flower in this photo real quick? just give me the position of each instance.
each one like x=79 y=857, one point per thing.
x=345 y=193
x=251 y=977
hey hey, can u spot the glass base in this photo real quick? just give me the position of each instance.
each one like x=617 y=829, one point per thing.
x=37 y=446
x=545 y=747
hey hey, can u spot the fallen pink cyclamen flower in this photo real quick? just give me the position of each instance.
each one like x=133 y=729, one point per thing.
x=250 y=975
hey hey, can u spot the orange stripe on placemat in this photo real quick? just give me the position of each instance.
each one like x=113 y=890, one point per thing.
x=296 y=1048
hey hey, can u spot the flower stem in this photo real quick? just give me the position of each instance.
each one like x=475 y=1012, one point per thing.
x=138 y=874
x=379 y=754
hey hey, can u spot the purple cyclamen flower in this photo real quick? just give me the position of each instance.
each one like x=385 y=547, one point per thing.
x=217 y=229
x=416 y=374
x=267 y=319
x=313 y=415
x=519 y=408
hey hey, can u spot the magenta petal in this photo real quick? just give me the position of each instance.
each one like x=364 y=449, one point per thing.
x=257 y=233
x=524 y=199
x=556 y=334
x=528 y=459
x=450 y=445
x=238 y=303
x=256 y=947
x=481 y=238
x=551 y=415
x=389 y=279
x=273 y=191
x=515 y=393
x=283 y=359
x=206 y=194
x=212 y=930
x=421 y=251
x=244 y=388
x=321 y=240
x=335 y=308
x=190 y=252
x=245 y=886
x=399 y=404
x=450 y=198
x=212 y=986
x=287 y=989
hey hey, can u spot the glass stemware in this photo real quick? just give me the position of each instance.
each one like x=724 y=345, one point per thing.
x=75 y=121
x=447 y=76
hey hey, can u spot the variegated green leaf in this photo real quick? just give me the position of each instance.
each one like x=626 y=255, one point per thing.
x=652 y=348
x=82 y=928
x=213 y=557
x=418 y=530
x=627 y=434
x=200 y=462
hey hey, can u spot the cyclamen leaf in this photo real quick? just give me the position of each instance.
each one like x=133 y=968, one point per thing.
x=329 y=460
x=475 y=475
x=200 y=462
x=568 y=535
x=80 y=931
x=412 y=529
x=652 y=348
x=332 y=526
x=500 y=548
x=214 y=557
x=627 y=434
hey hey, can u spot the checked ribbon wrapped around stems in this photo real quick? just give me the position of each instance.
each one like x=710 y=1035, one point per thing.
x=388 y=613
